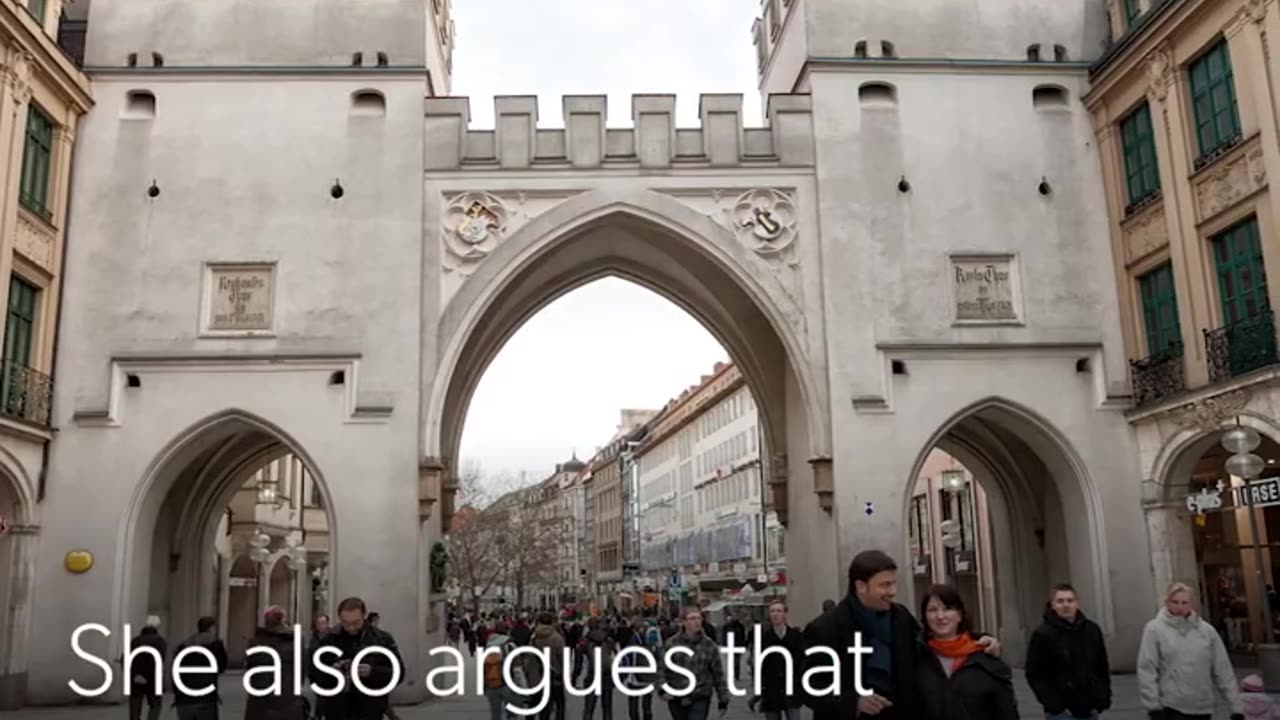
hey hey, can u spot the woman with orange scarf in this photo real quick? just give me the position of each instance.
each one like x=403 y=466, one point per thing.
x=957 y=680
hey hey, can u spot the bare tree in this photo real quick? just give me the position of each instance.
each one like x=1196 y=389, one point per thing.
x=475 y=539
x=533 y=543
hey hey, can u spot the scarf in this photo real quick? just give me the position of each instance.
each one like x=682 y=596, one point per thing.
x=956 y=648
x=878 y=625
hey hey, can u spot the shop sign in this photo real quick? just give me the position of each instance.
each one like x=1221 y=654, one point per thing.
x=1260 y=493
x=1206 y=500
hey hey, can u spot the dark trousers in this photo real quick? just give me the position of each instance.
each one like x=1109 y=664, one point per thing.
x=555 y=704
x=695 y=710
x=200 y=711
x=605 y=698
x=634 y=707
x=155 y=704
x=1175 y=715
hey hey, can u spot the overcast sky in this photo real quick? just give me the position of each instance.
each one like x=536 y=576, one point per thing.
x=560 y=382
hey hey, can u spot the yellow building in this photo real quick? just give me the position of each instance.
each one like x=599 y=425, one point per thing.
x=43 y=95
x=1184 y=104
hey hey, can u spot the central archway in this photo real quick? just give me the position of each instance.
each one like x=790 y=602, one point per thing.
x=668 y=247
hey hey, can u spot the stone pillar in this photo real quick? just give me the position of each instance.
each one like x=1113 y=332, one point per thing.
x=1173 y=549
x=17 y=70
x=17 y=617
x=655 y=129
x=1172 y=132
x=722 y=130
x=791 y=122
x=584 y=127
x=445 y=132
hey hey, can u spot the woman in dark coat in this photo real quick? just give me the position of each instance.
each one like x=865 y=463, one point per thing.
x=956 y=679
x=278 y=636
x=774 y=700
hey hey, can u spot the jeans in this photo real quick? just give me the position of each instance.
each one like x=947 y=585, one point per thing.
x=789 y=714
x=497 y=702
x=155 y=704
x=634 y=707
x=696 y=710
x=605 y=699
x=555 y=703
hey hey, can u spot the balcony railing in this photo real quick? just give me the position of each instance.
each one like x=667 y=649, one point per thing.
x=25 y=394
x=1242 y=347
x=1158 y=376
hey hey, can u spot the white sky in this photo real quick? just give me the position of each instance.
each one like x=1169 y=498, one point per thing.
x=560 y=382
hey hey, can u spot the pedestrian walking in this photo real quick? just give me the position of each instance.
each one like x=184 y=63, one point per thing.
x=957 y=680
x=204 y=706
x=389 y=711
x=601 y=647
x=781 y=669
x=703 y=661
x=1183 y=666
x=639 y=708
x=281 y=702
x=545 y=636
x=376 y=670
x=1067 y=664
x=1255 y=701
x=147 y=670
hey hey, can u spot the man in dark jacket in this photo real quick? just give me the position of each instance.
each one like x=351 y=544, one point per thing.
x=777 y=697
x=888 y=628
x=282 y=703
x=145 y=673
x=200 y=707
x=376 y=670
x=700 y=656
x=1067 y=665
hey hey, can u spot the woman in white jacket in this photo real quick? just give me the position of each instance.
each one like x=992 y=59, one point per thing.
x=1183 y=666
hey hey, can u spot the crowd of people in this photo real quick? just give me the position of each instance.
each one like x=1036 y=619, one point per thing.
x=938 y=669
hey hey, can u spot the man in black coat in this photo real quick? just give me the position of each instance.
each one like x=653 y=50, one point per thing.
x=893 y=635
x=200 y=707
x=146 y=672
x=1067 y=665
x=353 y=635
x=778 y=697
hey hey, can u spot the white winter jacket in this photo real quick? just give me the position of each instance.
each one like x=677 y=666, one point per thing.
x=1183 y=666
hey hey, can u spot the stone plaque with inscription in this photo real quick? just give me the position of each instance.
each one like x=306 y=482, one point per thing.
x=240 y=298
x=984 y=290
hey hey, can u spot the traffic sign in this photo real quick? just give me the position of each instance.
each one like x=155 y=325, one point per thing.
x=675 y=581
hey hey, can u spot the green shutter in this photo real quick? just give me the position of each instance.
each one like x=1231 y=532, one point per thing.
x=20 y=325
x=1242 y=278
x=1160 y=309
x=1131 y=13
x=1142 y=172
x=37 y=9
x=1213 y=99
x=37 y=153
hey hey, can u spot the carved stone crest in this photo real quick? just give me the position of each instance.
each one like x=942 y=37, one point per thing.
x=1145 y=233
x=1231 y=182
x=1159 y=73
x=765 y=221
x=1210 y=413
x=474 y=224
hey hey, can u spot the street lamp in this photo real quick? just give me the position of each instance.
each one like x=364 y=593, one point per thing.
x=1241 y=441
x=268 y=489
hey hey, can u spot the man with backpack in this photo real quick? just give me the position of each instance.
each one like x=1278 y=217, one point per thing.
x=601 y=646
x=496 y=689
x=200 y=707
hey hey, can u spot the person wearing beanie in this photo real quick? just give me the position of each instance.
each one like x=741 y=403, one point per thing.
x=1255 y=701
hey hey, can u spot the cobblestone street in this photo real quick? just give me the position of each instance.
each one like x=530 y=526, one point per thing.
x=1126 y=707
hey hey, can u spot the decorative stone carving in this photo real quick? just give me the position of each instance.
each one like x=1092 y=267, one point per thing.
x=17 y=75
x=1145 y=233
x=239 y=299
x=1256 y=10
x=1209 y=413
x=1230 y=182
x=1160 y=73
x=474 y=224
x=35 y=242
x=765 y=221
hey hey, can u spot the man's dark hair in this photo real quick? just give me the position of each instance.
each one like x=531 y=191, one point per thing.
x=546 y=618
x=951 y=600
x=205 y=624
x=1062 y=587
x=352 y=603
x=867 y=564
x=828 y=605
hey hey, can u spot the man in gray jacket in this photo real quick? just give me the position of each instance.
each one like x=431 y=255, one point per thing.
x=1183 y=667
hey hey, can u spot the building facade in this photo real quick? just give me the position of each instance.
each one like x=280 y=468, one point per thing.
x=1184 y=108
x=44 y=96
x=703 y=515
x=911 y=254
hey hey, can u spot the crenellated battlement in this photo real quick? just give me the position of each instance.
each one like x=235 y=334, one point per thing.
x=585 y=141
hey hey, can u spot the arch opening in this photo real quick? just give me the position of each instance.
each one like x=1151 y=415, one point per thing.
x=190 y=548
x=1214 y=552
x=986 y=511
x=717 y=287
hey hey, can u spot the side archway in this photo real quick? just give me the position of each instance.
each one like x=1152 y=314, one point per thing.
x=168 y=564
x=1032 y=481
x=665 y=246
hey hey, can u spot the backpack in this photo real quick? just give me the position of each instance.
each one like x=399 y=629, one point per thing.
x=653 y=638
x=493 y=669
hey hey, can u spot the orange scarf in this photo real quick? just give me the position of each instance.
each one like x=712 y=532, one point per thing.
x=958 y=647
